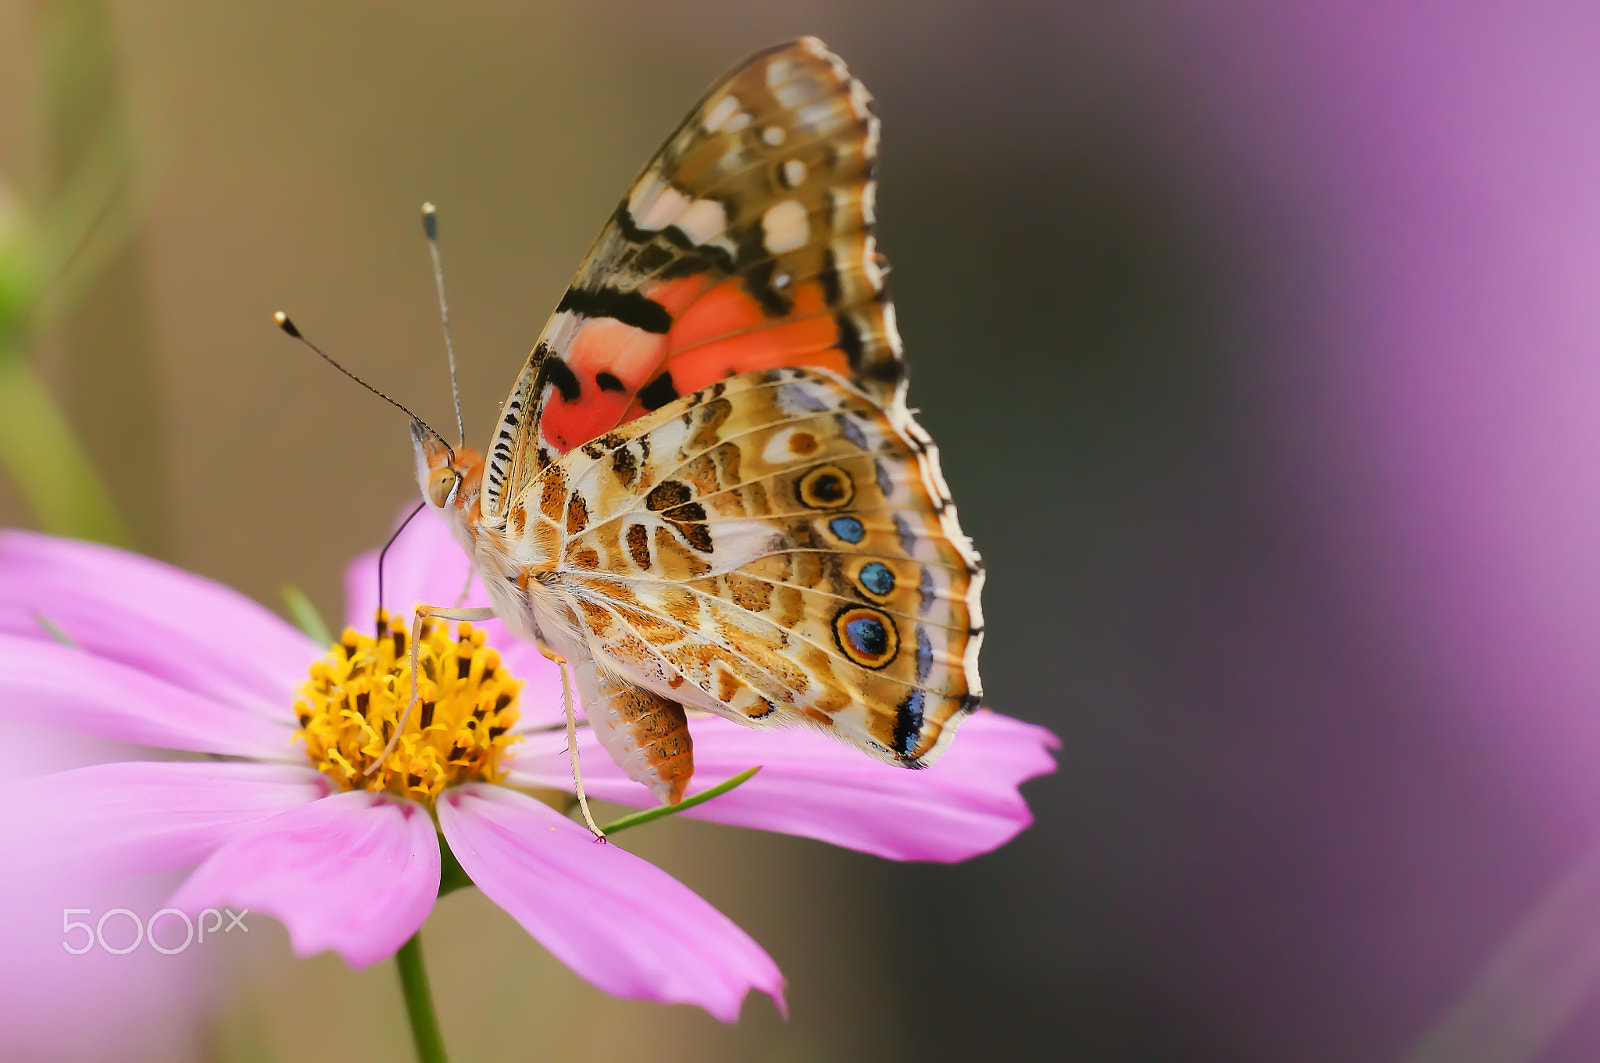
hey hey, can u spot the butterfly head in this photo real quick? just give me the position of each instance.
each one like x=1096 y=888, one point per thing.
x=449 y=478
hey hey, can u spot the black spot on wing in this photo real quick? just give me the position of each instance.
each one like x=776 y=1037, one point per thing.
x=829 y=279
x=625 y=465
x=608 y=382
x=908 y=724
x=629 y=307
x=758 y=282
x=668 y=253
x=849 y=340
x=556 y=371
x=639 y=545
x=658 y=392
x=625 y=225
x=689 y=511
x=667 y=495
x=889 y=370
x=690 y=520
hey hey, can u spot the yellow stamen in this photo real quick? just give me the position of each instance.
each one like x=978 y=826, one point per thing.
x=459 y=732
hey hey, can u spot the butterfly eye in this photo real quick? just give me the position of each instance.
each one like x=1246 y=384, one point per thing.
x=441 y=484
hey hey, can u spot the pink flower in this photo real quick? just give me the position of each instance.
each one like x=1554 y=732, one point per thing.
x=965 y=804
x=88 y=1002
x=163 y=658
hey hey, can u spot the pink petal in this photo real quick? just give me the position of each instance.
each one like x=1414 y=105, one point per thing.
x=965 y=804
x=43 y=682
x=138 y=1007
x=426 y=566
x=133 y=818
x=623 y=924
x=356 y=873
x=59 y=1006
x=194 y=633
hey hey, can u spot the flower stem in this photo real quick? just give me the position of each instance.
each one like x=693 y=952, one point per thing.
x=419 y=1002
x=636 y=818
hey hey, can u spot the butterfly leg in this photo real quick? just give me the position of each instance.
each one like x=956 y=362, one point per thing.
x=423 y=612
x=572 y=738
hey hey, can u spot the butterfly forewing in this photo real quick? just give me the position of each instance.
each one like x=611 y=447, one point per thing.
x=777 y=549
x=745 y=244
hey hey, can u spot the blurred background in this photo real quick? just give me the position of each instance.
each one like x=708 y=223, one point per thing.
x=1262 y=343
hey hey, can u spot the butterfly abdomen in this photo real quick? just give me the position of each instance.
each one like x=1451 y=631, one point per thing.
x=646 y=734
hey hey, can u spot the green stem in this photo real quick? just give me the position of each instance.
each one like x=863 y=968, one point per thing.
x=452 y=876
x=419 y=1002
x=636 y=818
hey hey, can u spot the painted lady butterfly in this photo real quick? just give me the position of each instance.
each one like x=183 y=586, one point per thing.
x=706 y=491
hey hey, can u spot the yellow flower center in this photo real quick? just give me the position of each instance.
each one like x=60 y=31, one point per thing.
x=459 y=729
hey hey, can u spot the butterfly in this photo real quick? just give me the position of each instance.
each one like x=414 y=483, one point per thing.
x=705 y=491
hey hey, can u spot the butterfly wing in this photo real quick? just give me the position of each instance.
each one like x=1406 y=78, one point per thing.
x=778 y=549
x=745 y=244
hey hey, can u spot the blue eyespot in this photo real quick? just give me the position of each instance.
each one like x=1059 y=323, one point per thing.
x=876 y=578
x=847 y=528
x=867 y=636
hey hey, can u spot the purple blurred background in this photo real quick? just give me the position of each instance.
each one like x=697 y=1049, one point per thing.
x=1263 y=345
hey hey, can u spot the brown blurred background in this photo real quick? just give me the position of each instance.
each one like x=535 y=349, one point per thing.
x=1255 y=848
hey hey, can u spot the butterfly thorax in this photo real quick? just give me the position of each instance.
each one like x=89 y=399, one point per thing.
x=516 y=560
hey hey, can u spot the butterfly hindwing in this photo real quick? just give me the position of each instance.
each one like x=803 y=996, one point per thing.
x=746 y=243
x=779 y=549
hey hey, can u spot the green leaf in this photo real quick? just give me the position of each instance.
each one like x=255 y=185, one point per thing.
x=54 y=632
x=687 y=803
x=305 y=615
x=49 y=466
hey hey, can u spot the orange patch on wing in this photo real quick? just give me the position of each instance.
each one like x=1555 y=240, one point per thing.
x=718 y=331
x=723 y=332
x=601 y=345
x=677 y=295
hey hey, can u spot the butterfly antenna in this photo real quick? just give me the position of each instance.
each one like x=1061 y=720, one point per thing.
x=430 y=228
x=385 y=553
x=288 y=326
